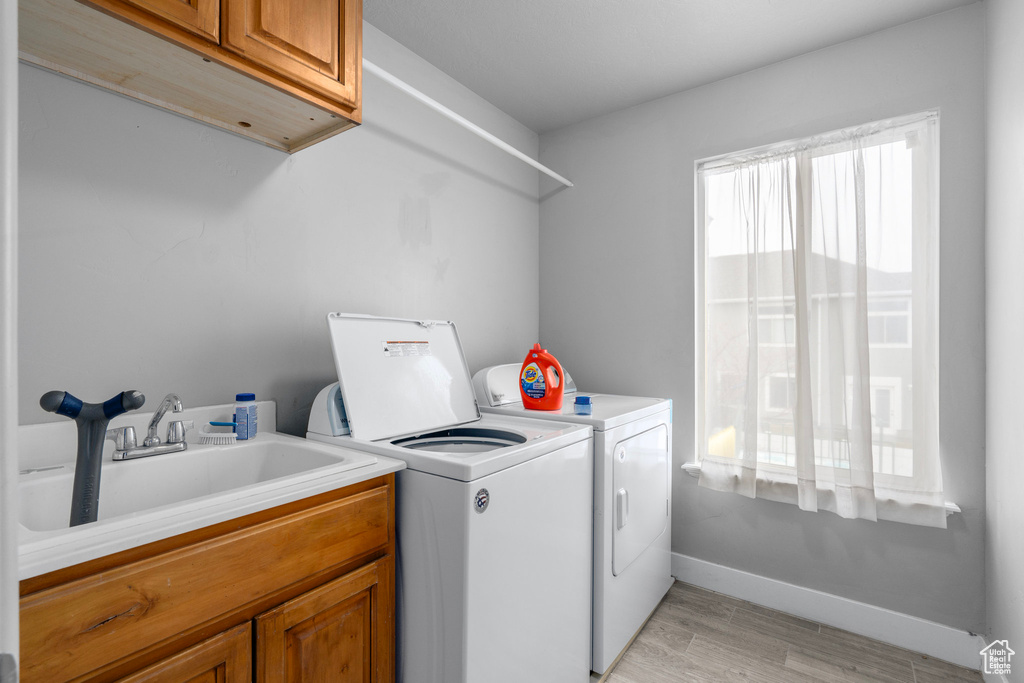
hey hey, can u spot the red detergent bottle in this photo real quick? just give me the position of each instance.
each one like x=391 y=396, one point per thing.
x=540 y=380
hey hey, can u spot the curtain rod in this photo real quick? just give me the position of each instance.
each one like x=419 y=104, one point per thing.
x=465 y=123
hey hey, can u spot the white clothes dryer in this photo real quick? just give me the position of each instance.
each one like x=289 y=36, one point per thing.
x=632 y=500
x=494 y=511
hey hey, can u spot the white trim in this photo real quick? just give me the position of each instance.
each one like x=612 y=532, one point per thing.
x=832 y=142
x=902 y=630
x=8 y=340
x=693 y=469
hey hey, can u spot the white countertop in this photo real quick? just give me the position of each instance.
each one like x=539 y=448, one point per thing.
x=40 y=552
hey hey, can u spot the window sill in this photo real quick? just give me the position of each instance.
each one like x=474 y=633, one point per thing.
x=693 y=469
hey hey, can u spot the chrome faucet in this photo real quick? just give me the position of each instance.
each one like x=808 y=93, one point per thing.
x=170 y=401
x=125 y=442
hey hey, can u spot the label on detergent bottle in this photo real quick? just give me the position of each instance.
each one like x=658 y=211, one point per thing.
x=532 y=381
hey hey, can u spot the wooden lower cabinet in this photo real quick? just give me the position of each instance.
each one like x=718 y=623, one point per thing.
x=329 y=635
x=336 y=633
x=304 y=592
x=226 y=658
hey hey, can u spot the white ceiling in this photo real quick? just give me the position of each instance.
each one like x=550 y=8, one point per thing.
x=550 y=63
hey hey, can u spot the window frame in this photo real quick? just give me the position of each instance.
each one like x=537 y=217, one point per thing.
x=925 y=210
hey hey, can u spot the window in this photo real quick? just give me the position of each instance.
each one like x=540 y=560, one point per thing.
x=889 y=322
x=776 y=325
x=780 y=393
x=817 y=306
x=881 y=407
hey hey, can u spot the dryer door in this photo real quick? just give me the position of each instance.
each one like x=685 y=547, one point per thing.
x=639 y=494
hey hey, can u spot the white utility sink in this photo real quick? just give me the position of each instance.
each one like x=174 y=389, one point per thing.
x=136 y=486
x=148 y=499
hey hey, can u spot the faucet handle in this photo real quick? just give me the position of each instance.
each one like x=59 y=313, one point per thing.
x=123 y=437
x=176 y=430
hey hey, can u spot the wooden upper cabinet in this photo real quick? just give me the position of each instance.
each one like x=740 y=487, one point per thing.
x=286 y=73
x=201 y=17
x=315 y=43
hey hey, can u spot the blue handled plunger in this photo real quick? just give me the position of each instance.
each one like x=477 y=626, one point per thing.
x=92 y=420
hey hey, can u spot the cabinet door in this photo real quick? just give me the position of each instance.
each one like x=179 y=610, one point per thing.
x=315 y=43
x=341 y=632
x=225 y=658
x=201 y=17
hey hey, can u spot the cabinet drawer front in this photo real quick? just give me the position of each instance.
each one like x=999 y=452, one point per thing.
x=75 y=628
x=226 y=658
x=340 y=632
x=315 y=43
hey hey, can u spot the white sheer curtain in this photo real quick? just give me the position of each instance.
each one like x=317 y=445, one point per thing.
x=818 y=322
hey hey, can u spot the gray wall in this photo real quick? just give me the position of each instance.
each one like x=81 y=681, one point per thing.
x=1004 y=238
x=617 y=296
x=161 y=254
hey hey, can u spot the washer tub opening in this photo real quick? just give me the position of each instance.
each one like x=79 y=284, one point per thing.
x=462 y=440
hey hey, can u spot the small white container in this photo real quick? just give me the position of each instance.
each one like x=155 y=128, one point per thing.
x=245 y=416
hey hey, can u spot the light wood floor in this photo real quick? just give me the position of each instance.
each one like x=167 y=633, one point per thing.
x=697 y=635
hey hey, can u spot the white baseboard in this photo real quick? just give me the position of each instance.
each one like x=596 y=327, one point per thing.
x=902 y=630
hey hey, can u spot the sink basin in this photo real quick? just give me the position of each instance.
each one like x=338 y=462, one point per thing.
x=165 y=483
x=149 y=499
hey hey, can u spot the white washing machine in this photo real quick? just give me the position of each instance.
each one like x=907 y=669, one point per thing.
x=632 y=500
x=494 y=511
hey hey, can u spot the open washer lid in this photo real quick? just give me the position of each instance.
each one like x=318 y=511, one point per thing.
x=400 y=377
